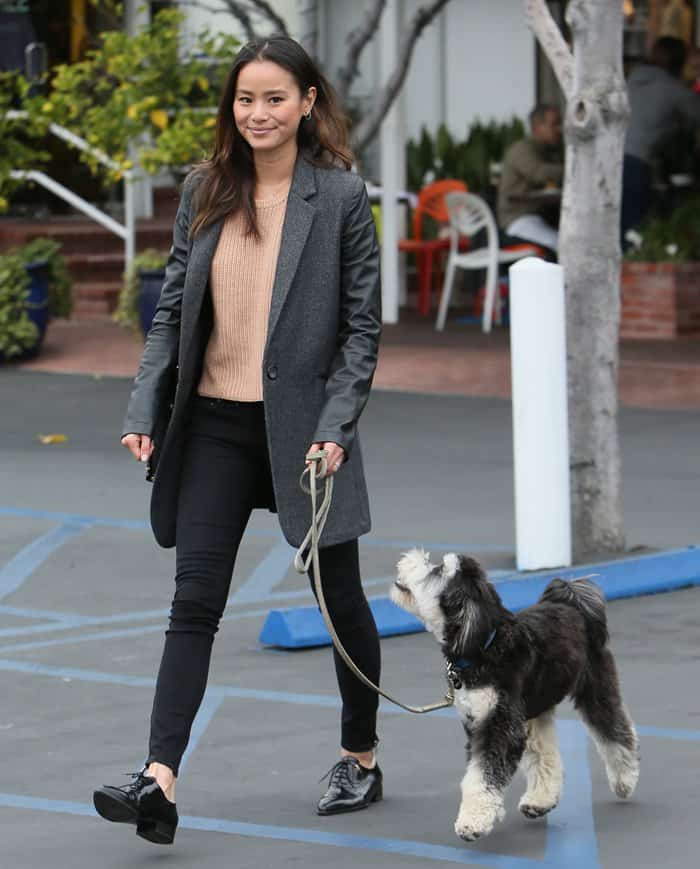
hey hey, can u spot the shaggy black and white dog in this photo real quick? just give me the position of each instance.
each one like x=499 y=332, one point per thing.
x=509 y=672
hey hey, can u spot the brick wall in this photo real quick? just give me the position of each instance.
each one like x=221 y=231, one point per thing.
x=660 y=300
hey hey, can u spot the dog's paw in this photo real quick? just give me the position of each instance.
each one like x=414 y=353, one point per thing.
x=478 y=819
x=622 y=768
x=624 y=782
x=533 y=811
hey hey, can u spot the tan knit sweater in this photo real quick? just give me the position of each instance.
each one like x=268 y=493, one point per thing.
x=241 y=279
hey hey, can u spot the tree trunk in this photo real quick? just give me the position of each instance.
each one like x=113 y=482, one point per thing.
x=589 y=250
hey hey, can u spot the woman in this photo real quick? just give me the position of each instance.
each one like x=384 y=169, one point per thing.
x=262 y=349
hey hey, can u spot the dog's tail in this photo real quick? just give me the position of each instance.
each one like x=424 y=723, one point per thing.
x=588 y=598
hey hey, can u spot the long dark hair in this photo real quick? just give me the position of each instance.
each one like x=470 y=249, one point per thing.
x=227 y=182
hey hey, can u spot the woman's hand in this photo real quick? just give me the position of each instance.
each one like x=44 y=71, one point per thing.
x=139 y=445
x=335 y=458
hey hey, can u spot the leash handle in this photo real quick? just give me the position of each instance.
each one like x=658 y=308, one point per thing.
x=318 y=470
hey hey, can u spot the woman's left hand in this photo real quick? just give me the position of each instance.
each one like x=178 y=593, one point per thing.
x=336 y=455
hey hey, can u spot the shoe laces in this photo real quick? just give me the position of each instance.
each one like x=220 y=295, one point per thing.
x=340 y=772
x=137 y=780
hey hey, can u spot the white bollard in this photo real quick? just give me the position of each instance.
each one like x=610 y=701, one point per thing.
x=540 y=418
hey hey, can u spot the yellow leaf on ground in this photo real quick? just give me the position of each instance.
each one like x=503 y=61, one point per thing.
x=53 y=438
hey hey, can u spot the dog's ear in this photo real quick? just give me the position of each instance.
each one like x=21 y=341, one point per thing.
x=471 y=608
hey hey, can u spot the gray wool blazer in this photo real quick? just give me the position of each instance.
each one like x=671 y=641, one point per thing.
x=319 y=358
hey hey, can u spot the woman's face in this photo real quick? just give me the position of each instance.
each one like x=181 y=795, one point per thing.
x=268 y=106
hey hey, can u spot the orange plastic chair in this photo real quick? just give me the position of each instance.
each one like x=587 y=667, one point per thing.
x=431 y=203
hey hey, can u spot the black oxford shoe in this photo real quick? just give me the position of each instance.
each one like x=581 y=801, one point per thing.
x=142 y=803
x=351 y=787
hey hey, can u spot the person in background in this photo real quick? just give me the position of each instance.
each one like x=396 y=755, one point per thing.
x=531 y=165
x=656 y=96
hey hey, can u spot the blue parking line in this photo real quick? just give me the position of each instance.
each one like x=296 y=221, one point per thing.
x=19 y=568
x=267 y=574
x=68 y=621
x=25 y=613
x=104 y=522
x=669 y=733
x=207 y=710
x=442 y=853
x=24 y=513
x=367 y=541
x=106 y=635
x=305 y=699
x=571 y=839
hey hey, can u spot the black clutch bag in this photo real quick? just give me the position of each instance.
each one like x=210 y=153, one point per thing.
x=160 y=430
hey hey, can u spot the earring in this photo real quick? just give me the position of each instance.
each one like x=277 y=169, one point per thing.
x=308 y=115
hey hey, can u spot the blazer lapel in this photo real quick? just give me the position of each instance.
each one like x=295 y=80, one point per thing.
x=295 y=231
x=198 y=267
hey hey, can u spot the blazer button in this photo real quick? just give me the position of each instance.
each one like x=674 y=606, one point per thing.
x=272 y=372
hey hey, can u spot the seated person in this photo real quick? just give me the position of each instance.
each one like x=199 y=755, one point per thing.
x=656 y=95
x=533 y=164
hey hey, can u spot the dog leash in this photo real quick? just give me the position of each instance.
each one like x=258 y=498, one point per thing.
x=317 y=470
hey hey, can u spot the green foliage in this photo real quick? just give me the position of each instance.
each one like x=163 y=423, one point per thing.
x=431 y=159
x=20 y=149
x=17 y=332
x=60 y=282
x=675 y=238
x=127 y=313
x=140 y=88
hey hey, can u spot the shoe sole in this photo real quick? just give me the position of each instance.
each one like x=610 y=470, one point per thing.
x=157 y=832
x=111 y=809
x=375 y=798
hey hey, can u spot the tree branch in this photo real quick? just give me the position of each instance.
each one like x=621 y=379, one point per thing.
x=367 y=129
x=356 y=42
x=269 y=13
x=552 y=42
x=241 y=11
x=230 y=7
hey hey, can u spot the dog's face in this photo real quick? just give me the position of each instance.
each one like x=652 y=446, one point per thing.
x=454 y=600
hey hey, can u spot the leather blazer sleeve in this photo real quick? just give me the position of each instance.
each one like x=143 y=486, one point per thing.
x=154 y=380
x=355 y=360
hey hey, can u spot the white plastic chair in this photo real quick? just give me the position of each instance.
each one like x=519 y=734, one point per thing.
x=468 y=215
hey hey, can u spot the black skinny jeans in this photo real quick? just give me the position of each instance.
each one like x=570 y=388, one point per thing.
x=226 y=473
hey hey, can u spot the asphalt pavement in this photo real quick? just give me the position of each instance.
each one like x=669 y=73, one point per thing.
x=84 y=594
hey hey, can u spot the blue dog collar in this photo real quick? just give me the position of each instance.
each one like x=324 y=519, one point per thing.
x=466 y=663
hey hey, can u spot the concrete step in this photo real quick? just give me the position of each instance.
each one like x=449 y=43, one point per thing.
x=95 y=299
x=99 y=267
x=77 y=235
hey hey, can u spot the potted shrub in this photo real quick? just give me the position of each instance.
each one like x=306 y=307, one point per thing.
x=142 y=285
x=59 y=280
x=660 y=286
x=24 y=307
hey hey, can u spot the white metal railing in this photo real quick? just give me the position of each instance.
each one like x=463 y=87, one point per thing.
x=126 y=230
